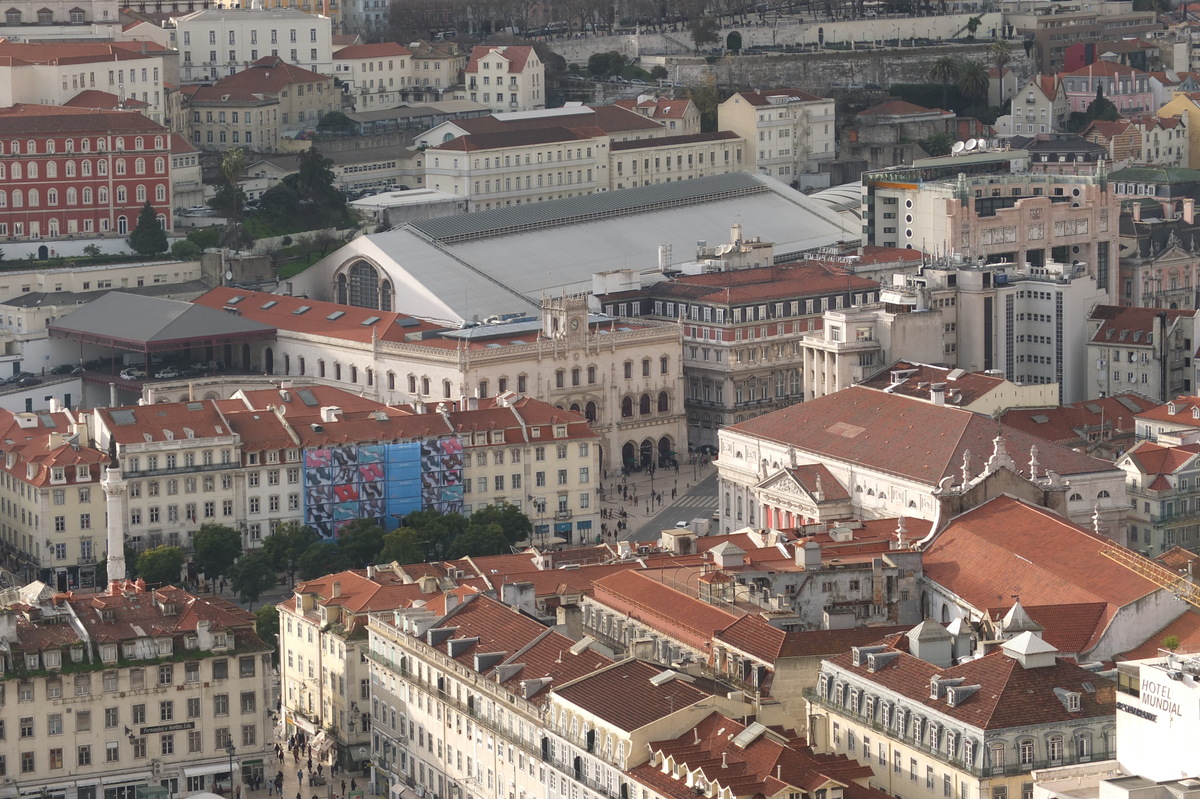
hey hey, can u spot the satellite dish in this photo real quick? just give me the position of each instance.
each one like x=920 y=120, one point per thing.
x=981 y=145
x=229 y=274
x=969 y=145
x=957 y=148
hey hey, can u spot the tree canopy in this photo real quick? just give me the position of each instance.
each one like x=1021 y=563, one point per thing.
x=215 y=548
x=287 y=544
x=251 y=575
x=148 y=238
x=160 y=565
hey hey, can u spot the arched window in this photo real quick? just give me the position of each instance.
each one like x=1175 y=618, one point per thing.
x=70 y=169
x=589 y=411
x=160 y=193
x=51 y=169
x=70 y=145
x=626 y=404
x=1103 y=495
x=122 y=196
x=1054 y=749
x=16 y=171
x=644 y=404
x=31 y=147
x=51 y=196
x=120 y=166
x=3 y=171
x=31 y=171
x=16 y=148
x=139 y=143
x=34 y=198
x=664 y=402
x=139 y=166
x=85 y=146
x=140 y=193
x=102 y=195
x=160 y=166
x=1076 y=497
x=87 y=195
x=3 y=198
x=72 y=197
x=364 y=285
x=1025 y=752
x=391 y=382
x=1083 y=747
x=102 y=167
x=120 y=143
x=85 y=168
x=158 y=143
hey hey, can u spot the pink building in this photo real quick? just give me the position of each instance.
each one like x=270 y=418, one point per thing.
x=1127 y=88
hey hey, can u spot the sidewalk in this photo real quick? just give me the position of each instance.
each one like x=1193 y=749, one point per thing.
x=637 y=507
x=293 y=788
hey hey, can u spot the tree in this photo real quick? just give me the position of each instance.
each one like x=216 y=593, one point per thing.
x=1102 y=108
x=160 y=565
x=1171 y=642
x=733 y=42
x=287 y=545
x=705 y=30
x=605 y=64
x=233 y=166
x=148 y=238
x=215 y=548
x=323 y=557
x=706 y=98
x=337 y=123
x=478 y=540
x=973 y=81
x=360 y=541
x=973 y=25
x=323 y=241
x=251 y=574
x=91 y=251
x=1001 y=52
x=944 y=71
x=514 y=524
x=266 y=624
x=938 y=144
x=185 y=250
x=403 y=546
x=659 y=72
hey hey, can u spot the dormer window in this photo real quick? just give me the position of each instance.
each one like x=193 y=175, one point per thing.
x=108 y=652
x=31 y=662
x=83 y=473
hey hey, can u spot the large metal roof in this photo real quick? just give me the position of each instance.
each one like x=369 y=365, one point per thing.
x=137 y=322
x=486 y=263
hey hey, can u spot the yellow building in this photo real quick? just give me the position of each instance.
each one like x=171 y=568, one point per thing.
x=1179 y=105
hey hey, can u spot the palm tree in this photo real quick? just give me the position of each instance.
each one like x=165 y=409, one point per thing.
x=973 y=25
x=945 y=70
x=1001 y=53
x=973 y=81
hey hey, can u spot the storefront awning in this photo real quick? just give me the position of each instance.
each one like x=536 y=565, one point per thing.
x=125 y=779
x=211 y=768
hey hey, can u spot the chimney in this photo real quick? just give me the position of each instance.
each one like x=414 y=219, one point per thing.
x=55 y=405
x=809 y=555
x=1137 y=211
x=1168 y=207
x=370 y=572
x=1189 y=210
x=330 y=413
x=937 y=393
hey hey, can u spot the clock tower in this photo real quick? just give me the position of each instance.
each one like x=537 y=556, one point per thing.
x=565 y=316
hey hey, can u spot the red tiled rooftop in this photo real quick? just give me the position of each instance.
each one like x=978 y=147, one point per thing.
x=643 y=701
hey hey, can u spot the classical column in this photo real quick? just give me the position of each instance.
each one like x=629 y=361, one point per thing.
x=114 y=489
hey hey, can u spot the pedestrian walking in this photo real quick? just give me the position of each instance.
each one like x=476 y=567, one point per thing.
x=343 y=787
x=320 y=768
x=299 y=776
x=310 y=763
x=270 y=789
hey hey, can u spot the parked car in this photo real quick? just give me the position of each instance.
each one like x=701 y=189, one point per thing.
x=133 y=373
x=637 y=82
x=63 y=369
x=575 y=78
x=28 y=380
x=18 y=377
x=170 y=373
x=77 y=371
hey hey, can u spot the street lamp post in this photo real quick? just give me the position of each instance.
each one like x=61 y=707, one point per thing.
x=230 y=750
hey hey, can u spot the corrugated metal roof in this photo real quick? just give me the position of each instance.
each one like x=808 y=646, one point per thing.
x=130 y=318
x=573 y=210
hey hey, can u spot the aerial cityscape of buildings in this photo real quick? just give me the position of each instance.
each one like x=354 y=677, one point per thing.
x=648 y=401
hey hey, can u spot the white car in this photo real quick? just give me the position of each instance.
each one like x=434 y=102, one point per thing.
x=169 y=373
x=133 y=373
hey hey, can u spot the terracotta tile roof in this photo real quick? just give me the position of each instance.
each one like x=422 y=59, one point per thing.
x=817 y=479
x=774 y=763
x=1048 y=84
x=268 y=74
x=760 y=98
x=904 y=436
x=1065 y=423
x=877 y=254
x=1186 y=628
x=489 y=626
x=43 y=441
x=1100 y=69
x=1178 y=559
x=596 y=119
x=659 y=107
x=24 y=118
x=754 y=636
x=1005 y=548
x=1068 y=628
x=259 y=431
x=478 y=142
x=758 y=285
x=515 y=54
x=345 y=39
x=642 y=702
x=1009 y=694
x=1159 y=459
x=1130 y=327
x=892 y=108
x=1183 y=410
x=376 y=50
x=350 y=323
x=962 y=387
x=1106 y=129
x=359 y=594
x=77 y=52
x=94 y=98
x=174 y=421
x=299 y=412
x=651 y=598
x=551 y=582
x=181 y=145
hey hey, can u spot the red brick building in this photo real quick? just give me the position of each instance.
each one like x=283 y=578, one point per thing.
x=80 y=172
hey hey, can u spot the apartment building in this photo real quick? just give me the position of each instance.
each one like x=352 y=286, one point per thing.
x=53 y=74
x=1125 y=87
x=505 y=78
x=218 y=42
x=1163 y=510
x=130 y=689
x=741 y=328
x=459 y=689
x=1150 y=140
x=1040 y=106
x=1147 y=350
x=330 y=10
x=630 y=388
x=674 y=158
x=325 y=683
x=680 y=117
x=1056 y=28
x=59 y=20
x=789 y=134
x=759 y=451
x=75 y=171
x=373 y=74
x=255 y=108
x=437 y=67
x=986 y=212
x=929 y=728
